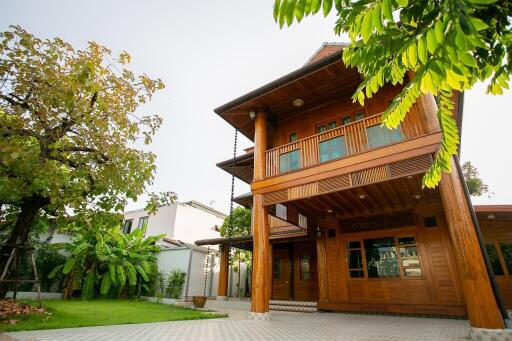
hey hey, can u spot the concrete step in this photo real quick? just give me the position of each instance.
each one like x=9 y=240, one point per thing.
x=294 y=303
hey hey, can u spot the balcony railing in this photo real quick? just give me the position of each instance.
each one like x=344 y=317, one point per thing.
x=347 y=140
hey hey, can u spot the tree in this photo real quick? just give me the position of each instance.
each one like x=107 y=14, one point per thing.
x=446 y=45
x=103 y=259
x=476 y=186
x=237 y=224
x=68 y=121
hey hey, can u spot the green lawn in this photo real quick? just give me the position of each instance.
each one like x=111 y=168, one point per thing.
x=78 y=313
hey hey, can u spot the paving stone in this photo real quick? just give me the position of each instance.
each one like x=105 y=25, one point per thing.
x=282 y=326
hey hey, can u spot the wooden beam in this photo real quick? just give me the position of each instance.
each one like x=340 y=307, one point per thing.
x=481 y=304
x=261 y=250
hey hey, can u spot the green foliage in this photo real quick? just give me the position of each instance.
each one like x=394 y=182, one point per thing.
x=104 y=261
x=67 y=124
x=237 y=224
x=447 y=45
x=175 y=283
x=476 y=186
x=48 y=259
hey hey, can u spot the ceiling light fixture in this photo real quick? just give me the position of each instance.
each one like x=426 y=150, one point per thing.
x=329 y=211
x=298 y=102
x=417 y=196
x=362 y=196
x=252 y=115
x=491 y=216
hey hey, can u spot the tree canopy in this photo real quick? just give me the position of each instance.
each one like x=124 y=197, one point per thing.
x=69 y=124
x=237 y=224
x=476 y=186
x=447 y=45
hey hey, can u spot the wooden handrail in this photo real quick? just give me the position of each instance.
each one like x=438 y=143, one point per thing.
x=356 y=141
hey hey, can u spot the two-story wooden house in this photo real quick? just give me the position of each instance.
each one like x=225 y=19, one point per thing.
x=350 y=226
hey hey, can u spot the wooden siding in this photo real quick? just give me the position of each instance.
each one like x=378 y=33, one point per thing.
x=436 y=292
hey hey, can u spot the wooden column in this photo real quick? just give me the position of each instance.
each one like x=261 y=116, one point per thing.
x=321 y=256
x=260 y=227
x=260 y=255
x=260 y=145
x=427 y=108
x=223 y=272
x=483 y=311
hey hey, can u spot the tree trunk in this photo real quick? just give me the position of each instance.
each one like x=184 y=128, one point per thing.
x=19 y=234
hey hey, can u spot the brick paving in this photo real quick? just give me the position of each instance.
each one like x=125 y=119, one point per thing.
x=283 y=326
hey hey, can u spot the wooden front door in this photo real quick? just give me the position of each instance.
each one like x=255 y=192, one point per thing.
x=281 y=274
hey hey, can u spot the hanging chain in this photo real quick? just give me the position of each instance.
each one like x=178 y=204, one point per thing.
x=206 y=270
x=230 y=225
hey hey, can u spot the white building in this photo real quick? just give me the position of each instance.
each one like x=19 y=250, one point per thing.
x=186 y=222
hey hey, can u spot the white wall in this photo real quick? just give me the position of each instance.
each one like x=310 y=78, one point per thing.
x=193 y=224
x=171 y=259
x=160 y=223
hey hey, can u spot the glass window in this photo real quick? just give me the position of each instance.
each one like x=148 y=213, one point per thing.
x=355 y=259
x=142 y=221
x=495 y=260
x=409 y=257
x=127 y=226
x=380 y=136
x=346 y=120
x=281 y=212
x=289 y=161
x=276 y=267
x=321 y=129
x=303 y=221
x=331 y=125
x=359 y=116
x=333 y=148
x=304 y=268
x=293 y=137
x=381 y=260
x=506 y=250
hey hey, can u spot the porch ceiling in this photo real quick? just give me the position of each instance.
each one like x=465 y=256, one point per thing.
x=317 y=84
x=389 y=196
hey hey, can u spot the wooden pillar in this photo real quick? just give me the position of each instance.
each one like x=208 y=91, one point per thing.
x=322 y=267
x=223 y=273
x=260 y=255
x=427 y=108
x=483 y=311
x=260 y=227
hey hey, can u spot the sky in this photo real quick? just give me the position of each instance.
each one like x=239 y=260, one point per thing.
x=210 y=52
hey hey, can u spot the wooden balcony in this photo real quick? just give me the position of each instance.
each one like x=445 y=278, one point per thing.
x=354 y=140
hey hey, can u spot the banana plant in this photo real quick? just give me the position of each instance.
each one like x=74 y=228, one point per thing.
x=106 y=261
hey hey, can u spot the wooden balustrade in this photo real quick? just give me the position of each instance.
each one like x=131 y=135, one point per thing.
x=356 y=141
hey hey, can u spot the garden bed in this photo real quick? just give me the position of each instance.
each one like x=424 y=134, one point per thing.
x=79 y=313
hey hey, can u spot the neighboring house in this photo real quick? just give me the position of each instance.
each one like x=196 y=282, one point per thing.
x=352 y=229
x=186 y=222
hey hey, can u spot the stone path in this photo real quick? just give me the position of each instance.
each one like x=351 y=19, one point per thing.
x=283 y=326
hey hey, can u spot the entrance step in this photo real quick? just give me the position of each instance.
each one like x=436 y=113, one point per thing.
x=295 y=306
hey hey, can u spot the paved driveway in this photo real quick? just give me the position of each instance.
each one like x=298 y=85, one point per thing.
x=283 y=326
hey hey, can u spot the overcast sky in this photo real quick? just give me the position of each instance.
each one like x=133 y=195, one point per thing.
x=210 y=52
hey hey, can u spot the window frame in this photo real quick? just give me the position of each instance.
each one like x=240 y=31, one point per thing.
x=304 y=218
x=396 y=236
x=284 y=210
x=299 y=166
x=276 y=264
x=124 y=226
x=292 y=137
x=399 y=128
x=304 y=258
x=501 y=257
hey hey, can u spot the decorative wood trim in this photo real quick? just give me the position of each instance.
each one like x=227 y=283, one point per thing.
x=363 y=177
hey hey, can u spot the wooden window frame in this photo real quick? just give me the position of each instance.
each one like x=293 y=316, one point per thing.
x=301 y=274
x=276 y=261
x=395 y=235
x=497 y=246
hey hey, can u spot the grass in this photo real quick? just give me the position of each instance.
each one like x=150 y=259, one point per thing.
x=78 y=313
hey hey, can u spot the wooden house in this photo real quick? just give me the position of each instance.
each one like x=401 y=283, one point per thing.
x=339 y=215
